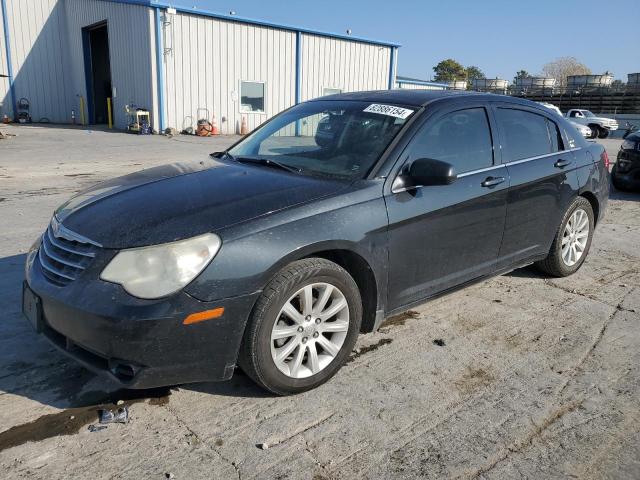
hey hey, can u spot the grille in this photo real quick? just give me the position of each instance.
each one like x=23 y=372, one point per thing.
x=63 y=258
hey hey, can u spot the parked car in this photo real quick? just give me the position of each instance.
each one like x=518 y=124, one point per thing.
x=278 y=252
x=600 y=126
x=625 y=174
x=584 y=130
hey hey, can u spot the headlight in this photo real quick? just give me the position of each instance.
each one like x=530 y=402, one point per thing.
x=157 y=271
x=627 y=145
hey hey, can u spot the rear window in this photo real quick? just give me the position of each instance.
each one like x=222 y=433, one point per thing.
x=525 y=134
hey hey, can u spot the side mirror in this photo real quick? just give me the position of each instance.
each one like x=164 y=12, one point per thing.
x=425 y=172
x=217 y=154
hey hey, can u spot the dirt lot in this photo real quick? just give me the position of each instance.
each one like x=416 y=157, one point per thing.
x=519 y=376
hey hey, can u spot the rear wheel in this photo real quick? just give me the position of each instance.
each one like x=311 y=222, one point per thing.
x=302 y=328
x=572 y=241
x=594 y=131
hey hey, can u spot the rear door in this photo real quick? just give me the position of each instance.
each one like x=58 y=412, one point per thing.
x=542 y=172
x=441 y=236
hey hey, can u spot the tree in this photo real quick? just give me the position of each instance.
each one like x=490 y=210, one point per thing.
x=474 y=72
x=521 y=74
x=448 y=70
x=562 y=67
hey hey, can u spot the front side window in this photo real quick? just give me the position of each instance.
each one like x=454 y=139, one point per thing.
x=461 y=138
x=525 y=134
x=337 y=139
x=252 y=97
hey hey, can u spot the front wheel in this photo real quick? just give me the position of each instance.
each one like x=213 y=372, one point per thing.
x=603 y=133
x=572 y=241
x=303 y=327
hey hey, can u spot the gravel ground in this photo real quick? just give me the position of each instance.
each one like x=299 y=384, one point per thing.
x=518 y=376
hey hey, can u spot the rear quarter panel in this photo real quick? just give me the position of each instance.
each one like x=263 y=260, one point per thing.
x=593 y=176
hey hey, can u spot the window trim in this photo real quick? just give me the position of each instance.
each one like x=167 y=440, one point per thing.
x=264 y=97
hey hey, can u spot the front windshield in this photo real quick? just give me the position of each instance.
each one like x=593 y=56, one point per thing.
x=332 y=138
x=587 y=113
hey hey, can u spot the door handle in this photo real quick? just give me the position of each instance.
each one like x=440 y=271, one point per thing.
x=492 y=181
x=562 y=163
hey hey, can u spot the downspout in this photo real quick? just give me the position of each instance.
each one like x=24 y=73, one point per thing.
x=298 y=75
x=392 y=65
x=298 y=67
x=7 y=45
x=160 y=68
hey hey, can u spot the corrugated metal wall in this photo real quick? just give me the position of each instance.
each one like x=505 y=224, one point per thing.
x=206 y=60
x=5 y=98
x=38 y=57
x=129 y=50
x=349 y=66
x=48 y=58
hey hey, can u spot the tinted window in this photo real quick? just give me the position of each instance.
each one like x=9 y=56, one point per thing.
x=524 y=134
x=462 y=138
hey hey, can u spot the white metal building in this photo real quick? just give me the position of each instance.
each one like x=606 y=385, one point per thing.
x=68 y=56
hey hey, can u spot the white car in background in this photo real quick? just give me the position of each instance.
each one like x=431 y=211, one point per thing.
x=584 y=130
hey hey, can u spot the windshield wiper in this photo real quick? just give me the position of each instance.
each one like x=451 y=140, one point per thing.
x=267 y=162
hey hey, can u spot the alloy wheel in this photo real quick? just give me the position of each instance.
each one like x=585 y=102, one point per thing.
x=310 y=330
x=575 y=237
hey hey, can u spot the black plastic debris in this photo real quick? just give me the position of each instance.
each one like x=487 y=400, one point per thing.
x=439 y=342
x=121 y=415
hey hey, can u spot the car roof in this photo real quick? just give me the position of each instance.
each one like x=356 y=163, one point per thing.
x=421 y=98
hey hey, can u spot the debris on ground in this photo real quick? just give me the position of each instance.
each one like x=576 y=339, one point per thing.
x=169 y=475
x=263 y=446
x=96 y=428
x=121 y=415
x=439 y=342
x=370 y=348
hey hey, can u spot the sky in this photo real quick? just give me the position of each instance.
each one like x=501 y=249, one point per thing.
x=499 y=36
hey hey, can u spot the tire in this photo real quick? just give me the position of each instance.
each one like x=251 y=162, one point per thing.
x=603 y=133
x=259 y=351
x=555 y=264
x=594 y=131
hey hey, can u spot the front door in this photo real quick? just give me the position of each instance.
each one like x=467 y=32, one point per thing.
x=441 y=236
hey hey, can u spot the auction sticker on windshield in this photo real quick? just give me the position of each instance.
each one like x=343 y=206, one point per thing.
x=390 y=110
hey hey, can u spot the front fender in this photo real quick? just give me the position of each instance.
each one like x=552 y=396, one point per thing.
x=253 y=253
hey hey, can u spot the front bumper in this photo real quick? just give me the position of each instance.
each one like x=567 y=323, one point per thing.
x=139 y=343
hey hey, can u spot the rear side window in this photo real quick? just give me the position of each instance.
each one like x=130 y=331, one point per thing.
x=461 y=138
x=525 y=134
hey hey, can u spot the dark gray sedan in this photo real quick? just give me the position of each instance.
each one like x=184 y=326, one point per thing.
x=330 y=217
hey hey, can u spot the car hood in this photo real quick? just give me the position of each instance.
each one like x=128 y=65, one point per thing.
x=182 y=200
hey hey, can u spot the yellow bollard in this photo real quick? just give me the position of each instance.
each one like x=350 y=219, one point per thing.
x=81 y=110
x=109 y=117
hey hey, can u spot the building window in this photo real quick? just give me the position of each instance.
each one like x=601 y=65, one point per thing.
x=252 y=97
x=331 y=91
